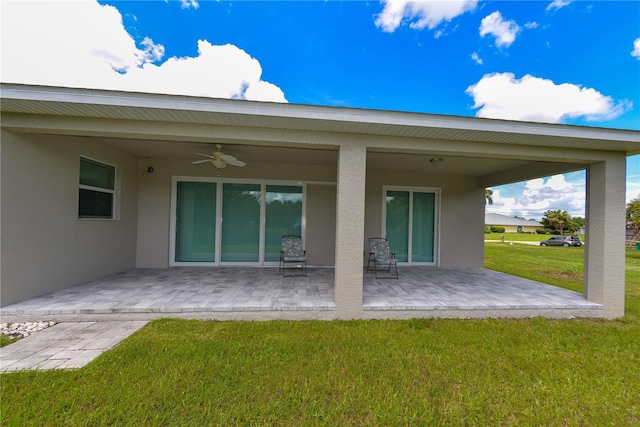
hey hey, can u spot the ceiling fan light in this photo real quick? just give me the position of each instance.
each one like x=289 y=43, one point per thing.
x=220 y=164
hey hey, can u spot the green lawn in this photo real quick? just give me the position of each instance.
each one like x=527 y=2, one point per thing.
x=562 y=267
x=415 y=372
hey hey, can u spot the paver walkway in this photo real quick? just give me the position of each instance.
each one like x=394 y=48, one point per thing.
x=66 y=345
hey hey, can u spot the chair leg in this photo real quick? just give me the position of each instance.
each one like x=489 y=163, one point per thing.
x=389 y=276
x=303 y=268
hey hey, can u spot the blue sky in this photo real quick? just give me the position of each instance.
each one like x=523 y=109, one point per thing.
x=575 y=62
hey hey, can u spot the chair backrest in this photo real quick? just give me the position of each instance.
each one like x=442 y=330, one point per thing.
x=292 y=246
x=380 y=248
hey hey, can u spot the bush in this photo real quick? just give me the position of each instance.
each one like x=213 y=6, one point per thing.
x=487 y=230
x=496 y=229
x=538 y=231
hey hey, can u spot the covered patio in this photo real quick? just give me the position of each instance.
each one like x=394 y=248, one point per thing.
x=119 y=187
x=262 y=294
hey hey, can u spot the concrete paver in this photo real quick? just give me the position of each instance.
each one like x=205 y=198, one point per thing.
x=66 y=345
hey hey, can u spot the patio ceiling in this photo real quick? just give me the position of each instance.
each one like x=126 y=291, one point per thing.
x=382 y=161
x=252 y=154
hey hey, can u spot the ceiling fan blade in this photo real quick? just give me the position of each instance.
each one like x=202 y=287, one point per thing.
x=232 y=160
x=198 y=162
x=236 y=162
x=204 y=155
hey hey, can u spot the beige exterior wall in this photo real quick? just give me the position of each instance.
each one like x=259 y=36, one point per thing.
x=461 y=226
x=45 y=247
x=321 y=224
x=154 y=207
x=514 y=228
x=459 y=248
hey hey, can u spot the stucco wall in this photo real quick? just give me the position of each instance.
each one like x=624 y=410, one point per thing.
x=461 y=226
x=461 y=213
x=514 y=228
x=154 y=208
x=321 y=224
x=45 y=247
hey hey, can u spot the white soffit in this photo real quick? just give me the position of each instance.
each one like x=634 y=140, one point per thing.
x=88 y=103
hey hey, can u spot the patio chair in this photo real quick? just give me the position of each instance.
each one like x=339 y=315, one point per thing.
x=292 y=253
x=381 y=256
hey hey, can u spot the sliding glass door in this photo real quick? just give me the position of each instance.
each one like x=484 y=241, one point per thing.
x=195 y=222
x=283 y=215
x=233 y=222
x=397 y=224
x=240 y=223
x=411 y=224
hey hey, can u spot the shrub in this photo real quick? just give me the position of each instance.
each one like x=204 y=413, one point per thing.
x=497 y=229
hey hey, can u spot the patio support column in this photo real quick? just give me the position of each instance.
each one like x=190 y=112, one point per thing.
x=604 y=253
x=350 y=230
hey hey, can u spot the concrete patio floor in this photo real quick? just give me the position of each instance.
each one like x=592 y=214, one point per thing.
x=262 y=293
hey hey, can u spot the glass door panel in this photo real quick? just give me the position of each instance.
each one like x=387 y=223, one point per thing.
x=283 y=212
x=195 y=222
x=422 y=227
x=397 y=223
x=240 y=223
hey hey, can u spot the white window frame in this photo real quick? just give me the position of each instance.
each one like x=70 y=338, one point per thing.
x=436 y=220
x=113 y=192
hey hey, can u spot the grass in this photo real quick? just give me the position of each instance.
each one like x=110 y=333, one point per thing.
x=4 y=340
x=554 y=265
x=418 y=372
x=563 y=267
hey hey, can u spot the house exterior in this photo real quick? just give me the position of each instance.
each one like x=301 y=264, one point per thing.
x=511 y=224
x=96 y=182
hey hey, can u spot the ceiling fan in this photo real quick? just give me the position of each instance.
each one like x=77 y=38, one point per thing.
x=219 y=159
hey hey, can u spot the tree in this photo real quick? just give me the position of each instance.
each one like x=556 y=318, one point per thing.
x=556 y=220
x=488 y=196
x=576 y=224
x=633 y=217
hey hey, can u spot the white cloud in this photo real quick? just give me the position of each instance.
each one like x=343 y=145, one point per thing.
x=636 y=48
x=153 y=52
x=502 y=96
x=186 y=4
x=558 y=4
x=504 y=31
x=421 y=14
x=84 y=44
x=542 y=194
x=476 y=58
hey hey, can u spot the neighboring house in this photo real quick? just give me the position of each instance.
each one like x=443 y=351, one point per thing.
x=98 y=182
x=511 y=224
